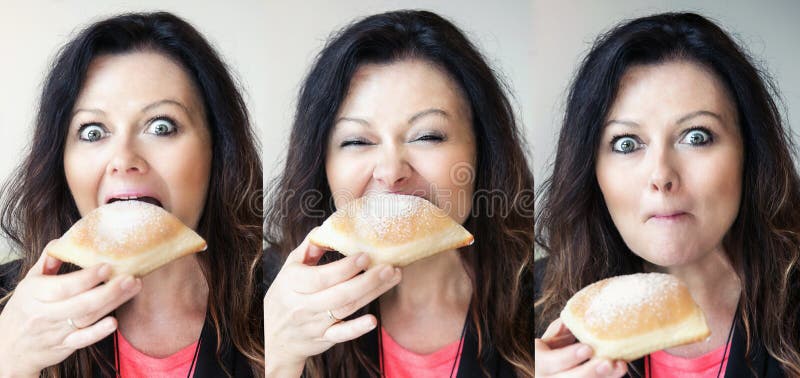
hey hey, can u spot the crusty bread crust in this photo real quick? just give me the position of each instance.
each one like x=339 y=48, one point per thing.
x=627 y=317
x=133 y=237
x=392 y=229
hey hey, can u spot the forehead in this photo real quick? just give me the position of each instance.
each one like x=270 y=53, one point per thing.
x=136 y=78
x=398 y=88
x=670 y=88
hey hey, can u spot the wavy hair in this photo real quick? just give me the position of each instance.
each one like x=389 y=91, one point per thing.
x=500 y=264
x=38 y=206
x=573 y=224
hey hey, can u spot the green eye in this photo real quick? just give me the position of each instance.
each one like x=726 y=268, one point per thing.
x=91 y=133
x=624 y=144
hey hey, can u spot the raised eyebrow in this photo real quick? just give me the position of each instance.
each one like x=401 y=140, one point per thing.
x=95 y=111
x=427 y=112
x=696 y=114
x=621 y=122
x=166 y=102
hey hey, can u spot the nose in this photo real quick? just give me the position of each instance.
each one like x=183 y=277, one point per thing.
x=392 y=168
x=125 y=159
x=664 y=176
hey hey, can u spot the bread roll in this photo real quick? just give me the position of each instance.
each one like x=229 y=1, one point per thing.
x=391 y=228
x=134 y=237
x=627 y=317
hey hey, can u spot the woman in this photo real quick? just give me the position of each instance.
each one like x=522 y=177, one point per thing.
x=673 y=158
x=136 y=105
x=402 y=102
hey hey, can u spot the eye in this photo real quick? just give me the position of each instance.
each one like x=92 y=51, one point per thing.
x=430 y=137
x=162 y=126
x=91 y=132
x=697 y=137
x=354 y=142
x=625 y=144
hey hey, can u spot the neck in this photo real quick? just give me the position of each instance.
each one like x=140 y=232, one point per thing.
x=716 y=288
x=176 y=289
x=439 y=279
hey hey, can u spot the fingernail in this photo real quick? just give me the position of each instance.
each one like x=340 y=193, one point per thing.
x=370 y=324
x=104 y=271
x=362 y=261
x=128 y=283
x=604 y=368
x=387 y=273
x=584 y=352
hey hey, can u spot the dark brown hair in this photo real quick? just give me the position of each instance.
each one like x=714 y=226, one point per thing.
x=38 y=206
x=500 y=262
x=573 y=224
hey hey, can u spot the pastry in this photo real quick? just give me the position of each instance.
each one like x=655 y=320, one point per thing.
x=391 y=228
x=134 y=237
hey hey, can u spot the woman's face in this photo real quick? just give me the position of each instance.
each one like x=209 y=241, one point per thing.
x=404 y=127
x=670 y=160
x=138 y=129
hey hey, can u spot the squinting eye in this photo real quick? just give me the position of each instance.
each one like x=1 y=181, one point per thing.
x=161 y=126
x=91 y=133
x=697 y=137
x=354 y=142
x=430 y=138
x=624 y=144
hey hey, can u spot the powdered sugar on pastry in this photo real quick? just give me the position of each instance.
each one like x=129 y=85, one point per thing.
x=632 y=293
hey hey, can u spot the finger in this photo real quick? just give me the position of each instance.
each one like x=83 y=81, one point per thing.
x=88 y=307
x=313 y=254
x=38 y=267
x=561 y=341
x=595 y=368
x=51 y=265
x=84 y=337
x=63 y=286
x=324 y=276
x=555 y=329
x=305 y=252
x=351 y=329
x=356 y=292
x=550 y=361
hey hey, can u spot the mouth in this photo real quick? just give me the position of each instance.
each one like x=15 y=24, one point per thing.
x=147 y=199
x=669 y=217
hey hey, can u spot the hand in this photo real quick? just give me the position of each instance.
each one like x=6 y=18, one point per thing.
x=50 y=316
x=300 y=302
x=558 y=355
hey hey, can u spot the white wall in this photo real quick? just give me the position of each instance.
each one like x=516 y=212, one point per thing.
x=501 y=30
x=32 y=31
x=563 y=32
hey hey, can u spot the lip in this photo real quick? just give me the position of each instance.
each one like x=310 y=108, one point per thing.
x=668 y=216
x=128 y=193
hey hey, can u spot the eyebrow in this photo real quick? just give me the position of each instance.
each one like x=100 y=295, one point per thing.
x=167 y=102
x=351 y=119
x=144 y=109
x=679 y=121
x=698 y=113
x=426 y=112
x=412 y=119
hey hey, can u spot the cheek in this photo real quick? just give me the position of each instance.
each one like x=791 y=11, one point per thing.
x=83 y=179
x=719 y=187
x=619 y=192
x=450 y=176
x=348 y=175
